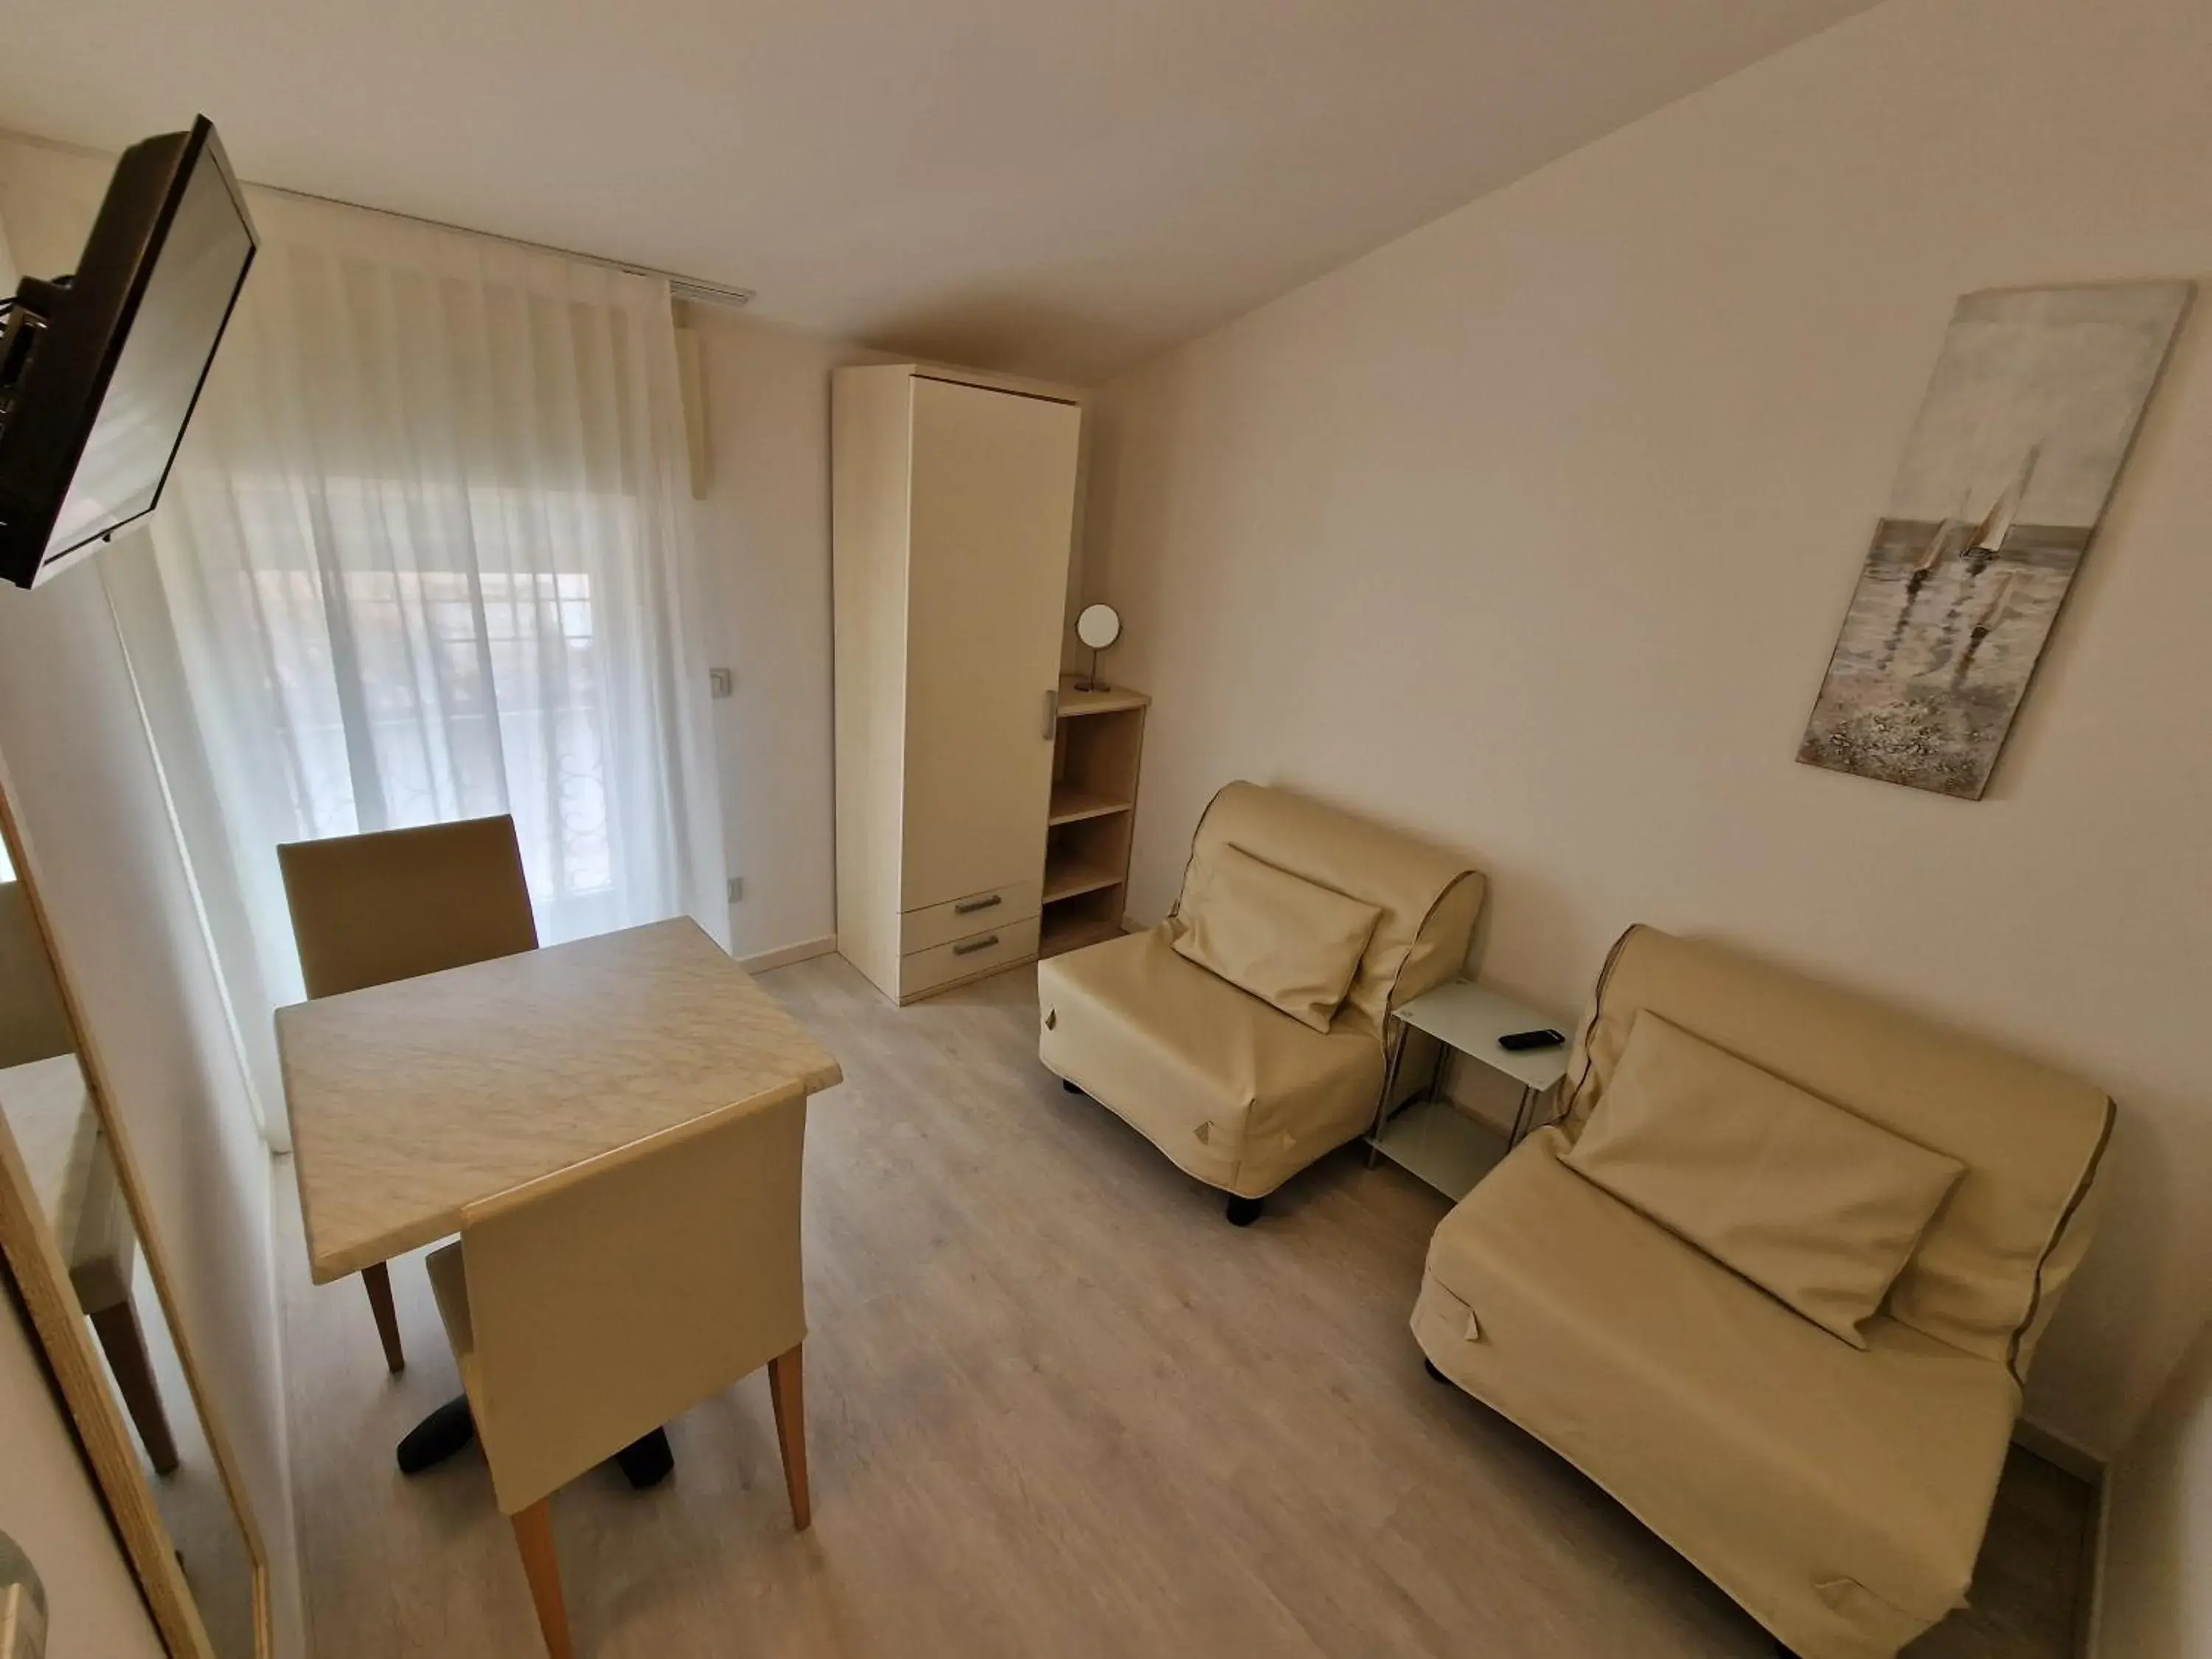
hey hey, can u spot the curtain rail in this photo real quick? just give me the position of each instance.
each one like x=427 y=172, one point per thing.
x=680 y=286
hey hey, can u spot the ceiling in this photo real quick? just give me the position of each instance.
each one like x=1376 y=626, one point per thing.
x=1038 y=187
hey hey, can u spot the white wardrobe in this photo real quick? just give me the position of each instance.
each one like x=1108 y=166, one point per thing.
x=954 y=507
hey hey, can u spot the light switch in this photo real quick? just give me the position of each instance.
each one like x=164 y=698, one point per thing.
x=721 y=682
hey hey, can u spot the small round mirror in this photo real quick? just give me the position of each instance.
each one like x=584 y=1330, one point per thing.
x=1099 y=626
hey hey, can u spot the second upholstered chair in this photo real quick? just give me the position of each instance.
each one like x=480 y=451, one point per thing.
x=396 y=904
x=1775 y=1281
x=1246 y=1034
x=588 y=1308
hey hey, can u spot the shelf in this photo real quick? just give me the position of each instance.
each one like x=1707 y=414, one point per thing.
x=1074 y=704
x=1443 y=1146
x=1071 y=802
x=1071 y=929
x=1077 y=877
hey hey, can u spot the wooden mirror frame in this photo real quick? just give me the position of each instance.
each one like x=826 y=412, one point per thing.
x=41 y=1279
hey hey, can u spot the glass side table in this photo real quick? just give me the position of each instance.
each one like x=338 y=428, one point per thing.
x=1430 y=1137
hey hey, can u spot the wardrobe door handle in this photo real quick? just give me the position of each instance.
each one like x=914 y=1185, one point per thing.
x=968 y=947
x=1051 y=712
x=969 y=907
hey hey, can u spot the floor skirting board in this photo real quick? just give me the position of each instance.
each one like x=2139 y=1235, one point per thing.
x=783 y=955
x=2057 y=1449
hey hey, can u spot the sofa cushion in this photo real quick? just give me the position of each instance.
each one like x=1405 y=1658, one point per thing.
x=1990 y=1269
x=1237 y=1093
x=1813 y=1205
x=1429 y=898
x=1291 y=943
x=1840 y=1495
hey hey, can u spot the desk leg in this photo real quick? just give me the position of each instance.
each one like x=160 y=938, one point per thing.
x=647 y=1460
x=787 y=1393
x=644 y=1463
x=438 y=1436
x=377 y=1282
x=125 y=1344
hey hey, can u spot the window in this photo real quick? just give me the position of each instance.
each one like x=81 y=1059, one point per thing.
x=452 y=681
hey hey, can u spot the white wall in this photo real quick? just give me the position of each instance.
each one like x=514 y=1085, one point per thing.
x=2154 y=1594
x=763 y=535
x=50 y=1505
x=1532 y=531
x=95 y=823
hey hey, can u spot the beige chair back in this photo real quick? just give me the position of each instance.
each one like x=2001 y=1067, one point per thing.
x=394 y=903
x=1987 y=1274
x=611 y=1296
x=34 y=1024
x=1429 y=898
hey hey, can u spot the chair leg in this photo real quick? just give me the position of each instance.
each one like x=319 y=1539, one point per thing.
x=533 y=1536
x=377 y=1282
x=787 y=1393
x=1243 y=1211
x=125 y=1344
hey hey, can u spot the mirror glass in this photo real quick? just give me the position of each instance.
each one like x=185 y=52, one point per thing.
x=51 y=1111
x=1099 y=626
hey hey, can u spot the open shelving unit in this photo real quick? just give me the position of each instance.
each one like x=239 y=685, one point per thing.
x=1096 y=749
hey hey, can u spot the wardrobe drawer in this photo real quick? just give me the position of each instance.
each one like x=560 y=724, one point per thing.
x=978 y=913
x=962 y=958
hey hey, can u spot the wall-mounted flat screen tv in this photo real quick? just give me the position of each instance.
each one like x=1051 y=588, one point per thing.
x=99 y=369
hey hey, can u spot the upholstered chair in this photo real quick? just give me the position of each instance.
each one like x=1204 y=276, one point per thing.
x=1776 y=1280
x=589 y=1307
x=395 y=904
x=1247 y=1035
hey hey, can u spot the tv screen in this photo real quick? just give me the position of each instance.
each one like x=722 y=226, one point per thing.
x=100 y=369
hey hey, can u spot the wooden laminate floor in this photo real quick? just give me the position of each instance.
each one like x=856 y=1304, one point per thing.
x=1057 y=1406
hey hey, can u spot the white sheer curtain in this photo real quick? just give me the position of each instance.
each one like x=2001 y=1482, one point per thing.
x=425 y=555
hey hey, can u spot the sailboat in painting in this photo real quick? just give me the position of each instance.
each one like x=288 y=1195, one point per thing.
x=2004 y=511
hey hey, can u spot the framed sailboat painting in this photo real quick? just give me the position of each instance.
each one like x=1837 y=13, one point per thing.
x=2027 y=420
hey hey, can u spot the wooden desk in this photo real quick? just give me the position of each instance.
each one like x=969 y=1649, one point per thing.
x=412 y=1100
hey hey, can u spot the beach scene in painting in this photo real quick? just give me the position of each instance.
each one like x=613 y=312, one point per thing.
x=2035 y=400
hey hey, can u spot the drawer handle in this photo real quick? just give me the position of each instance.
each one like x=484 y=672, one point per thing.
x=968 y=947
x=969 y=907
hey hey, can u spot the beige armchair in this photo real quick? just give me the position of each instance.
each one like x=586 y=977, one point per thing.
x=1839 y=1492
x=395 y=904
x=586 y=1309
x=1235 y=1090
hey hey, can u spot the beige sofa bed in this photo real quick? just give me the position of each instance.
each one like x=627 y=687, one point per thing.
x=1838 y=1493
x=1234 y=1091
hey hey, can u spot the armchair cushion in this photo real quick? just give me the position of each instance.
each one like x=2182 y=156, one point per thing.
x=1814 y=1205
x=1988 y=1271
x=1292 y=943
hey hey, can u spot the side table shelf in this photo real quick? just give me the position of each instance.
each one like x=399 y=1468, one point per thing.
x=1431 y=1138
